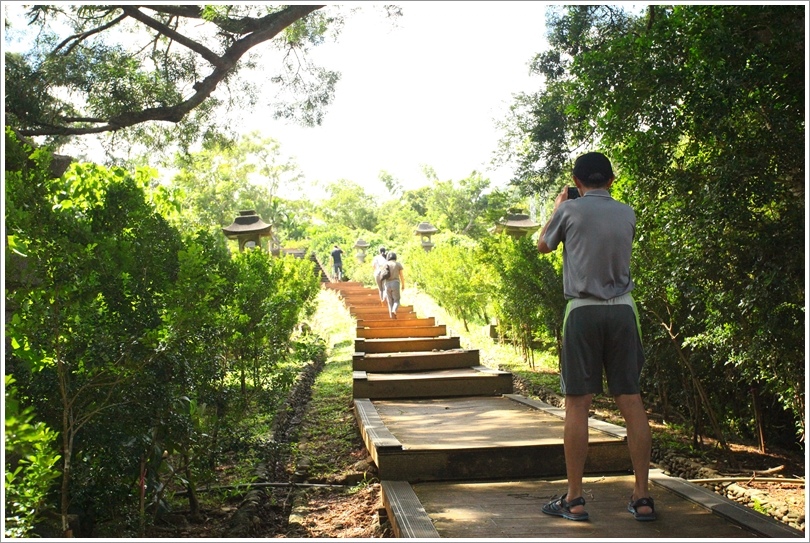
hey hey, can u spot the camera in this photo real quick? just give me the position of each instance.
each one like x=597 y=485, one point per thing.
x=573 y=192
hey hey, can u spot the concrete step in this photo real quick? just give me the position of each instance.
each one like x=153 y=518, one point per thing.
x=395 y=323
x=402 y=331
x=472 y=381
x=393 y=345
x=416 y=361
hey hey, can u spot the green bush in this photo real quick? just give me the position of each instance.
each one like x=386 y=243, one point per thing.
x=30 y=465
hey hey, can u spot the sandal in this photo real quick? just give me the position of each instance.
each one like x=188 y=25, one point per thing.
x=642 y=502
x=561 y=508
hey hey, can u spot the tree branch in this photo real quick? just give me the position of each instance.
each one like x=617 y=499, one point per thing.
x=78 y=38
x=204 y=52
x=270 y=27
x=240 y=26
x=190 y=12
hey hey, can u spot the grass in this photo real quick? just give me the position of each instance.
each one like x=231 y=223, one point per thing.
x=493 y=354
x=329 y=438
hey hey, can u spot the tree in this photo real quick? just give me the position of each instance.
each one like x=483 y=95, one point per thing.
x=350 y=206
x=457 y=207
x=224 y=177
x=526 y=292
x=121 y=335
x=391 y=183
x=451 y=275
x=294 y=218
x=398 y=220
x=268 y=167
x=83 y=329
x=701 y=108
x=195 y=337
x=31 y=464
x=102 y=68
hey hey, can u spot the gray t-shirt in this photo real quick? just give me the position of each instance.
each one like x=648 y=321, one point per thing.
x=597 y=236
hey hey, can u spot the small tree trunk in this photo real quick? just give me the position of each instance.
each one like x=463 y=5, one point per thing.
x=191 y=486
x=758 y=417
x=142 y=498
x=243 y=378
x=67 y=444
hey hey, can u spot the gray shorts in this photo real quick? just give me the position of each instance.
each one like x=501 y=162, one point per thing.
x=601 y=335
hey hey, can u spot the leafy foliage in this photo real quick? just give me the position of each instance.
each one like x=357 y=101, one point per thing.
x=123 y=332
x=467 y=206
x=130 y=64
x=224 y=177
x=701 y=109
x=262 y=318
x=349 y=206
x=451 y=274
x=30 y=465
x=526 y=293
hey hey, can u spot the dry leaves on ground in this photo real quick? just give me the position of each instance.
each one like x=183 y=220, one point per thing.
x=328 y=514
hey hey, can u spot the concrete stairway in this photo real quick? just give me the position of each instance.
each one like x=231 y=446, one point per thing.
x=411 y=356
x=460 y=456
x=429 y=410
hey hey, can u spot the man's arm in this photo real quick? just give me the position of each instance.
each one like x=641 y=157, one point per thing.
x=541 y=243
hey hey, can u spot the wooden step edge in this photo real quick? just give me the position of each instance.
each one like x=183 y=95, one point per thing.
x=406 y=513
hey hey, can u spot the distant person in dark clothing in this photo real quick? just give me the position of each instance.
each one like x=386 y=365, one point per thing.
x=337 y=263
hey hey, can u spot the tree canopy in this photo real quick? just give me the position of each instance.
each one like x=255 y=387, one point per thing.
x=102 y=68
x=224 y=177
x=702 y=110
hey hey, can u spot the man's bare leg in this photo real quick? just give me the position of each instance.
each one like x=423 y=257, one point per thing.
x=575 y=442
x=639 y=441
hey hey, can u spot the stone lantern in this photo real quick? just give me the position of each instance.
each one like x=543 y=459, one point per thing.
x=361 y=245
x=425 y=230
x=248 y=229
x=516 y=225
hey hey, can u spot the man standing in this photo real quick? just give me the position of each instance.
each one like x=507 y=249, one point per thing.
x=601 y=330
x=337 y=263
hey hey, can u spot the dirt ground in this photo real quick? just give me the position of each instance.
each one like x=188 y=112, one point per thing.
x=358 y=515
x=289 y=512
x=748 y=463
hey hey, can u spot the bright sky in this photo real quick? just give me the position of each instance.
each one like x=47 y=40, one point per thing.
x=423 y=91
x=426 y=92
